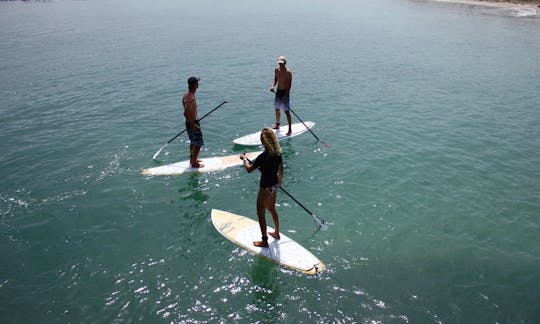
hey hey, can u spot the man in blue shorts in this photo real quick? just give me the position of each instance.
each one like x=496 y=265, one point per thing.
x=192 y=122
x=283 y=81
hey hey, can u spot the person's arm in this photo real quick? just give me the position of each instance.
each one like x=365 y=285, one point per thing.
x=248 y=166
x=275 y=81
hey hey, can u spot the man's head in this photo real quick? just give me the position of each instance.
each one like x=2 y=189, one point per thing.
x=282 y=60
x=193 y=83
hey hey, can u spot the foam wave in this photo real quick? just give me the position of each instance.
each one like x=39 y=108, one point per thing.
x=523 y=12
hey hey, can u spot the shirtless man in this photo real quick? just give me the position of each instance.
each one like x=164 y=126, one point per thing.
x=283 y=81
x=192 y=122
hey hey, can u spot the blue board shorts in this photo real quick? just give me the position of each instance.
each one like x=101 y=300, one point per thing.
x=195 y=137
x=278 y=101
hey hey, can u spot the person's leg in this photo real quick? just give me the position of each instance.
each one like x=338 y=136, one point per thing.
x=277 y=106
x=195 y=162
x=271 y=206
x=261 y=210
x=195 y=137
x=288 y=121
x=278 y=116
x=191 y=155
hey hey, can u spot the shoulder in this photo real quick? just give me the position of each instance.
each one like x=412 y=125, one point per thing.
x=276 y=158
x=188 y=96
x=262 y=155
x=259 y=159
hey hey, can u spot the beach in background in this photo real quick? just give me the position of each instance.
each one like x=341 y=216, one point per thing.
x=517 y=8
x=517 y=4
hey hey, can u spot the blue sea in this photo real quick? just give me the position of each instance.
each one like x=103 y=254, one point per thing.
x=430 y=182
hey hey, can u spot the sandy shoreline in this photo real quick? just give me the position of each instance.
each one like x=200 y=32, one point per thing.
x=501 y=4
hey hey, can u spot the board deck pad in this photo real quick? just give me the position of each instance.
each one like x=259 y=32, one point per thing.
x=242 y=231
x=210 y=165
x=254 y=139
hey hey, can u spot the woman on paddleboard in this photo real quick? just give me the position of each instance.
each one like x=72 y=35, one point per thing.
x=270 y=164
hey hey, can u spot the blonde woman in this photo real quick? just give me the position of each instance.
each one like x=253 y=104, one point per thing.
x=271 y=166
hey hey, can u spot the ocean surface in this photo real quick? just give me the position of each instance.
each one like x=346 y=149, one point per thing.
x=431 y=182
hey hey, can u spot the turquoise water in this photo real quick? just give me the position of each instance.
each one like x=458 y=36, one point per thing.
x=431 y=182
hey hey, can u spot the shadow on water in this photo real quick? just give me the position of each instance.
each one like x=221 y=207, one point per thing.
x=266 y=289
x=193 y=190
x=192 y=212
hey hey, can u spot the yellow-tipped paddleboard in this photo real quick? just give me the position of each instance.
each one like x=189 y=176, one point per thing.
x=242 y=231
x=210 y=165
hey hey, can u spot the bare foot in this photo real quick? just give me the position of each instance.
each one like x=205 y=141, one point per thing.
x=260 y=243
x=289 y=133
x=274 y=235
x=275 y=126
x=191 y=157
x=197 y=165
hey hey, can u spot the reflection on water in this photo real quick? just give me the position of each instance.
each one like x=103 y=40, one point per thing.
x=266 y=291
x=194 y=189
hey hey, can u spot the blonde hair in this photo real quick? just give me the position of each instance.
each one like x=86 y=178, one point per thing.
x=270 y=142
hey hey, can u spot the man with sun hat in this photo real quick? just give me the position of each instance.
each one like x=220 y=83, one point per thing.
x=283 y=81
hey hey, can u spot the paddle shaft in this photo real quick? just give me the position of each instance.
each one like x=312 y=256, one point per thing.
x=288 y=194
x=300 y=119
x=208 y=113
x=309 y=129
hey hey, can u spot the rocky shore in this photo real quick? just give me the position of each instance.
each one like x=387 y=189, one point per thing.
x=500 y=3
x=537 y=2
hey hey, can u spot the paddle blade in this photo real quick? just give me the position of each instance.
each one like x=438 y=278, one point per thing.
x=158 y=151
x=321 y=223
x=325 y=143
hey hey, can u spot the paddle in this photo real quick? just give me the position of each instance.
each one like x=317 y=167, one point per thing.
x=182 y=132
x=319 y=222
x=309 y=129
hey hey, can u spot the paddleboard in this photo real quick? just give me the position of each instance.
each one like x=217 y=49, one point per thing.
x=242 y=231
x=210 y=165
x=255 y=138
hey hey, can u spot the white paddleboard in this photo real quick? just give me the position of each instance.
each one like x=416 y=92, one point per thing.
x=242 y=231
x=210 y=165
x=255 y=138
